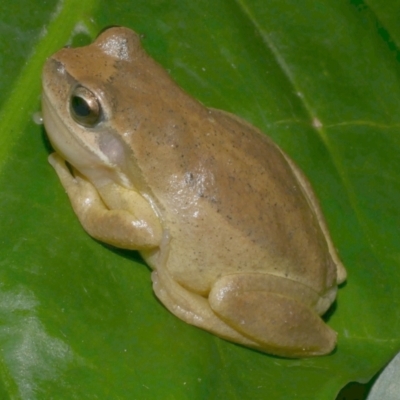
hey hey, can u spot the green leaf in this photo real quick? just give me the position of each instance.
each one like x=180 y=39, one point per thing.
x=78 y=320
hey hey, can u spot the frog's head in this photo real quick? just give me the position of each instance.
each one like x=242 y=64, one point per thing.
x=88 y=93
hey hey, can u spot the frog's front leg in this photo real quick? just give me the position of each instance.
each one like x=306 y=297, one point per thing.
x=117 y=226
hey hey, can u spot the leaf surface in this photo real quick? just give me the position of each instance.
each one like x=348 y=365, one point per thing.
x=79 y=320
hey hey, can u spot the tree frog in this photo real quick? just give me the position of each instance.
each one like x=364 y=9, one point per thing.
x=228 y=223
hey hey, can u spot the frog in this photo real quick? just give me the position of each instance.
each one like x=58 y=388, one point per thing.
x=229 y=225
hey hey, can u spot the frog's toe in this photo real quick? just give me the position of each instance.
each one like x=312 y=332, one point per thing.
x=68 y=180
x=280 y=325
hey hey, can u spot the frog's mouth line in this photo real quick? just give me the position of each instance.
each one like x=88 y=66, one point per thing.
x=60 y=139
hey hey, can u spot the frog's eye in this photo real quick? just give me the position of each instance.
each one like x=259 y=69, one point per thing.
x=85 y=107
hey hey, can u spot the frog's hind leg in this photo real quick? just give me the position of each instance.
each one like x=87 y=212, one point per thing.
x=276 y=313
x=253 y=310
x=267 y=312
x=193 y=308
x=190 y=307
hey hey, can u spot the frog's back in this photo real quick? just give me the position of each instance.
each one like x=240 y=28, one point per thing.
x=238 y=207
x=227 y=194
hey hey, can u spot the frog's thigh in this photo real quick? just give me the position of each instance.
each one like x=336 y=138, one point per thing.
x=192 y=308
x=280 y=324
x=116 y=227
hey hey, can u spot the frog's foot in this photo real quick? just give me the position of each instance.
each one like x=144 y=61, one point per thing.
x=244 y=309
x=118 y=227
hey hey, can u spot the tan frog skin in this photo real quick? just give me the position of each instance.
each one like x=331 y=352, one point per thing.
x=228 y=223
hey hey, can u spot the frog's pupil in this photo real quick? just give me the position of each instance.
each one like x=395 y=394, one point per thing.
x=80 y=106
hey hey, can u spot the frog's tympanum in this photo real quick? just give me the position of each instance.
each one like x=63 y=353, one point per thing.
x=228 y=223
